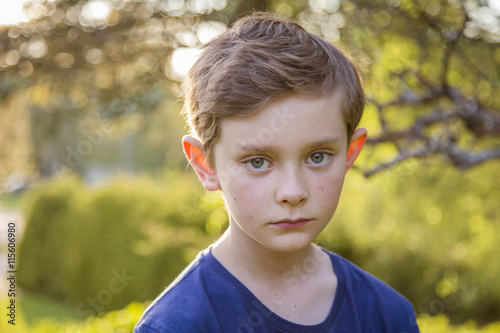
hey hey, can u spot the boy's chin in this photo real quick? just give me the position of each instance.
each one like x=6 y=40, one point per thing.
x=289 y=244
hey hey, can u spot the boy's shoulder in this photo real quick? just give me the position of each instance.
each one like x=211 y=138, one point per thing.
x=207 y=298
x=173 y=309
x=203 y=298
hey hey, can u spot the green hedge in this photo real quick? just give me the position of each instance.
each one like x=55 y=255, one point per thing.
x=98 y=249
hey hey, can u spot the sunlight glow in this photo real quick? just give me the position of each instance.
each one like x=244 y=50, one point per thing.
x=183 y=59
x=96 y=12
x=11 y=12
x=495 y=5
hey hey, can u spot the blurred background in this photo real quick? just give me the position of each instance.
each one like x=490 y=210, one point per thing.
x=107 y=213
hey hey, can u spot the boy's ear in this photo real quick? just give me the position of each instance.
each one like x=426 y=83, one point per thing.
x=194 y=154
x=357 y=142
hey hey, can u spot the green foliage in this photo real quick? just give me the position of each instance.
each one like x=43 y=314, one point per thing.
x=32 y=307
x=114 y=322
x=430 y=232
x=441 y=324
x=119 y=321
x=98 y=249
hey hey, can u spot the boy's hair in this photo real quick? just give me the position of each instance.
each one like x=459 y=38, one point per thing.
x=261 y=58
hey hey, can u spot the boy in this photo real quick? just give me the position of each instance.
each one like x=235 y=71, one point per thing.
x=273 y=112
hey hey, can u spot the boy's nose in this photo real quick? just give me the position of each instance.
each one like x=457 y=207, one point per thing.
x=291 y=189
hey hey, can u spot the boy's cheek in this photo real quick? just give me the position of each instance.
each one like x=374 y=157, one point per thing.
x=228 y=173
x=243 y=207
x=245 y=195
x=331 y=186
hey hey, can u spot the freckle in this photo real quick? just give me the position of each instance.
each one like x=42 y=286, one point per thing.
x=234 y=199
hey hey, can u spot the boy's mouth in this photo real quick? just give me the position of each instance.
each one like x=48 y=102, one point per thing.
x=289 y=224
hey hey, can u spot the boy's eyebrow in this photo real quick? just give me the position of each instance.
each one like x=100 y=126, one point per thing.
x=252 y=147
x=331 y=140
x=255 y=147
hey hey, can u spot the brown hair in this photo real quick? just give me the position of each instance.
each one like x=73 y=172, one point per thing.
x=261 y=58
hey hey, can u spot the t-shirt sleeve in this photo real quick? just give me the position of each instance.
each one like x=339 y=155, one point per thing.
x=410 y=324
x=179 y=311
x=183 y=307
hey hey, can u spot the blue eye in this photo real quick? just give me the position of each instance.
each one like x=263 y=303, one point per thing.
x=258 y=164
x=319 y=158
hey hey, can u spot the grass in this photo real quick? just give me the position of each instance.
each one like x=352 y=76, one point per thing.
x=34 y=307
x=40 y=314
x=30 y=308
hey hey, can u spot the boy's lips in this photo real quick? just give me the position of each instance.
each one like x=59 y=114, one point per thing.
x=289 y=224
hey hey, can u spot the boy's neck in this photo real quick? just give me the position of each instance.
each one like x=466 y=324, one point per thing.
x=298 y=286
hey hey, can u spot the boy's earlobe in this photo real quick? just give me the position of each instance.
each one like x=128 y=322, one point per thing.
x=357 y=143
x=194 y=154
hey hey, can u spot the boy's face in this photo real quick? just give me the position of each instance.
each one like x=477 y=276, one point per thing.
x=281 y=171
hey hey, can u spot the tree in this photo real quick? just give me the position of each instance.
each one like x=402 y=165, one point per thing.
x=430 y=68
x=434 y=78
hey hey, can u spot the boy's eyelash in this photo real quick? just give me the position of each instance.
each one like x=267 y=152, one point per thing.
x=326 y=152
x=248 y=161
x=328 y=155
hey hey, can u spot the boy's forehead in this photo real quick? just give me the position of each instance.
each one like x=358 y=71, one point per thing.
x=311 y=119
x=280 y=109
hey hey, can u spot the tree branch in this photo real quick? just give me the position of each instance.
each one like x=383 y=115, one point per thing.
x=402 y=156
x=465 y=160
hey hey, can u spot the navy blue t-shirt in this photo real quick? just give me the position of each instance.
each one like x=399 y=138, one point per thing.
x=207 y=298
